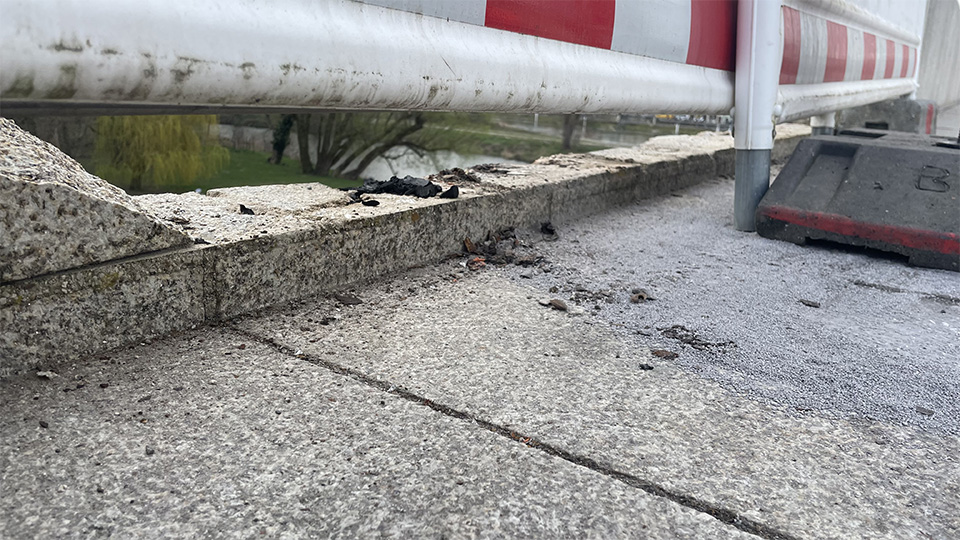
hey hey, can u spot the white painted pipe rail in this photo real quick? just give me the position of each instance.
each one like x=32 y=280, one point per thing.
x=794 y=58
x=467 y=55
x=346 y=54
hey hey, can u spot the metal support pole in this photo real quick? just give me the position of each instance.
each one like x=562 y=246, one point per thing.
x=757 y=76
x=824 y=124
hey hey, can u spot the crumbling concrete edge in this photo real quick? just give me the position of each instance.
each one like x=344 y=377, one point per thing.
x=69 y=315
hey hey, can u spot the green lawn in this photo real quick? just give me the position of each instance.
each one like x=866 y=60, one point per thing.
x=248 y=168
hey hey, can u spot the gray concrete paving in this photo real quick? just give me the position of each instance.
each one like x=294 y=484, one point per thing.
x=876 y=339
x=484 y=347
x=451 y=403
x=197 y=437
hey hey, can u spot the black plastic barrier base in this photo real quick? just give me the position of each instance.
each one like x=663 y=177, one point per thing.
x=894 y=192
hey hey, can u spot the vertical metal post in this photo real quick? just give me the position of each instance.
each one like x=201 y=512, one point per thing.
x=824 y=124
x=757 y=76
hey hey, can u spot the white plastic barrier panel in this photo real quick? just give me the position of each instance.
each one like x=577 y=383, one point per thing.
x=838 y=54
x=590 y=56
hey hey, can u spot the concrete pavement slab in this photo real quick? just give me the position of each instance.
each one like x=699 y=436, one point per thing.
x=210 y=434
x=484 y=348
x=819 y=328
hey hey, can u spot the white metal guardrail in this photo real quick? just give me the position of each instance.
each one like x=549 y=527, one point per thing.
x=347 y=54
x=793 y=58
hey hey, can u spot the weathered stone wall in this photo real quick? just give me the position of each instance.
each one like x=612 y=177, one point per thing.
x=55 y=216
x=302 y=240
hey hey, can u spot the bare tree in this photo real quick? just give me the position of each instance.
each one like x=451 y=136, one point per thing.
x=569 y=124
x=346 y=142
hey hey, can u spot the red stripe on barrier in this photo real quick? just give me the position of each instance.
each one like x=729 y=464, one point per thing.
x=713 y=30
x=790 y=64
x=913 y=52
x=945 y=243
x=929 y=118
x=585 y=22
x=869 y=56
x=891 y=58
x=905 y=63
x=836 y=52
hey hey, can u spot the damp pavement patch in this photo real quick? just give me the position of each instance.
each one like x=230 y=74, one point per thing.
x=213 y=434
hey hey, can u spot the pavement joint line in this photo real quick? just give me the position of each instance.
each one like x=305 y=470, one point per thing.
x=146 y=255
x=890 y=289
x=726 y=516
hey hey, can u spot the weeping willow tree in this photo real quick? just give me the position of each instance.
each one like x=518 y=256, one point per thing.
x=157 y=153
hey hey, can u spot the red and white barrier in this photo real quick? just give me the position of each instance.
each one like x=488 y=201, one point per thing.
x=818 y=50
x=469 y=55
x=694 y=32
x=837 y=55
x=623 y=56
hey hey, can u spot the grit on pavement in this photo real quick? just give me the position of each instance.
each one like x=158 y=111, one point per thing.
x=760 y=389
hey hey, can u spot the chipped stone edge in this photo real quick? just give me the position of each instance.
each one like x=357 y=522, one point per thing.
x=69 y=315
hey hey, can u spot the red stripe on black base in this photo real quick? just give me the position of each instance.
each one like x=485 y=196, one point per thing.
x=938 y=242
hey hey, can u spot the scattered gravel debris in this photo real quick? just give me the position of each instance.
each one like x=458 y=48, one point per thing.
x=888 y=342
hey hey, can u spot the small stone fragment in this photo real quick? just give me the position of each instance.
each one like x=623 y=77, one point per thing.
x=476 y=263
x=665 y=354
x=925 y=411
x=451 y=193
x=548 y=228
x=645 y=367
x=810 y=303
x=558 y=304
x=370 y=202
x=348 y=299
x=46 y=374
x=44 y=424
x=150 y=451
x=246 y=211
x=469 y=245
x=104 y=385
